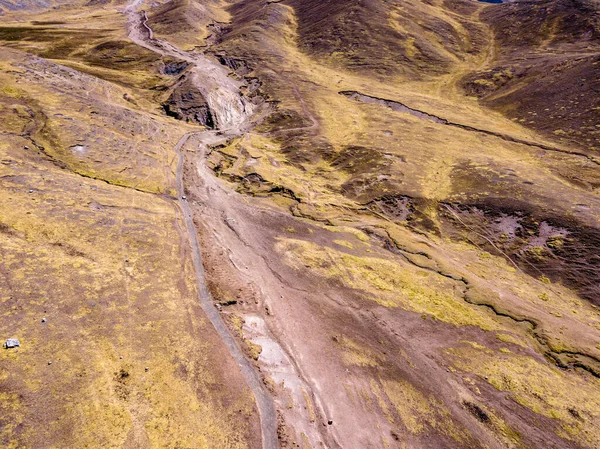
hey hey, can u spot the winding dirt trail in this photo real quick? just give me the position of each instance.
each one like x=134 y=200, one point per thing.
x=221 y=92
x=233 y=113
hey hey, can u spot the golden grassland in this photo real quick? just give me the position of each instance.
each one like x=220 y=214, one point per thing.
x=186 y=22
x=89 y=269
x=105 y=266
x=388 y=283
x=569 y=398
x=125 y=356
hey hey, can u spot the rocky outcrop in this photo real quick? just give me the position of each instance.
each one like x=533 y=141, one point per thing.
x=187 y=103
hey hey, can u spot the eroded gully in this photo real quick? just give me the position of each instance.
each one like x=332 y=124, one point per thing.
x=232 y=115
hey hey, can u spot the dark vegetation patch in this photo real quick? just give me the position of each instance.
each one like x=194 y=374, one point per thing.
x=48 y=22
x=69 y=249
x=31 y=34
x=469 y=178
x=480 y=84
x=6 y=229
x=355 y=159
x=284 y=119
x=384 y=38
x=366 y=186
x=55 y=43
x=302 y=149
x=119 y=55
x=548 y=247
x=547 y=73
x=371 y=176
x=476 y=411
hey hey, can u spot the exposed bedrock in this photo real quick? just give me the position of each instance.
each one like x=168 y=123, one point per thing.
x=187 y=103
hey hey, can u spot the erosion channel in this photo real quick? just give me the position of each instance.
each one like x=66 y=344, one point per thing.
x=232 y=114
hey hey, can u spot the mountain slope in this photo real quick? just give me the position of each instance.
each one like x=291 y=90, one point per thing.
x=396 y=205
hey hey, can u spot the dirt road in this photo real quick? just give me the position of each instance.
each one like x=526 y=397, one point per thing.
x=222 y=94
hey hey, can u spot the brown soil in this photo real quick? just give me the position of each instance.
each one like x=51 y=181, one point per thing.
x=396 y=209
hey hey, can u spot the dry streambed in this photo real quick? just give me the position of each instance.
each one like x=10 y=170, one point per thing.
x=343 y=314
x=231 y=114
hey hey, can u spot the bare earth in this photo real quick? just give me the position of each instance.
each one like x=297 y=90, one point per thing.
x=316 y=224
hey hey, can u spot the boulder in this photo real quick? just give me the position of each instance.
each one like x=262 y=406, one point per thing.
x=12 y=343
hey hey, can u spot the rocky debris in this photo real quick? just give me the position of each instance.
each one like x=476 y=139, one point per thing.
x=12 y=343
x=476 y=411
x=43 y=320
x=395 y=207
x=126 y=97
x=173 y=68
x=239 y=66
x=393 y=105
x=251 y=89
x=187 y=103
